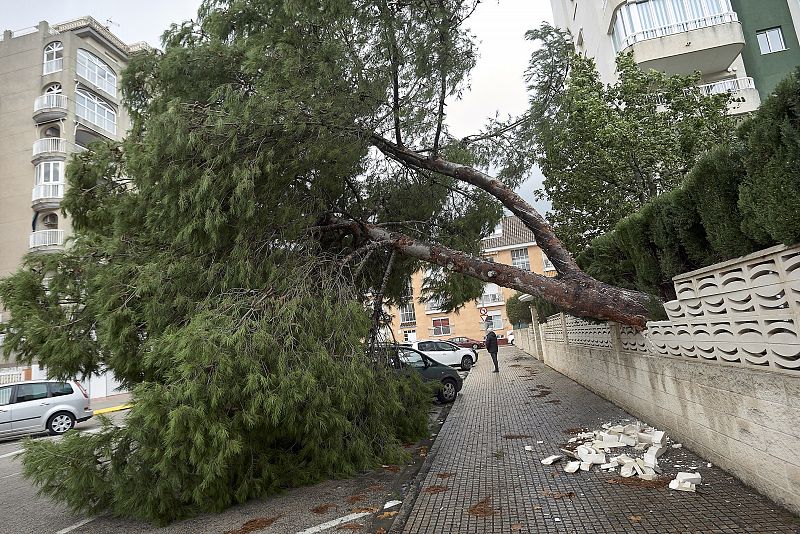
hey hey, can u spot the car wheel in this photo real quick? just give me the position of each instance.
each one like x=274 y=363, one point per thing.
x=466 y=363
x=60 y=423
x=474 y=346
x=448 y=391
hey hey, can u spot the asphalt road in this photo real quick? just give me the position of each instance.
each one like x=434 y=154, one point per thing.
x=22 y=511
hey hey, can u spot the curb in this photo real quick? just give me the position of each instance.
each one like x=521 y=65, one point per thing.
x=110 y=409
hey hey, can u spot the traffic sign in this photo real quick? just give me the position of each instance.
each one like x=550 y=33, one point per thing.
x=484 y=312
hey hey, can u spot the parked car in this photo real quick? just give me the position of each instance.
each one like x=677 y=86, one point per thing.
x=446 y=353
x=467 y=343
x=510 y=336
x=38 y=405
x=406 y=359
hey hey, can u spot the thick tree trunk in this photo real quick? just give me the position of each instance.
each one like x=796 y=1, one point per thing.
x=573 y=290
x=578 y=293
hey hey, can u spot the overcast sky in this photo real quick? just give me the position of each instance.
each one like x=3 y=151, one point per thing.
x=496 y=84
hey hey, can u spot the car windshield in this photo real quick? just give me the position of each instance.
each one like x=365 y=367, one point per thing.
x=409 y=357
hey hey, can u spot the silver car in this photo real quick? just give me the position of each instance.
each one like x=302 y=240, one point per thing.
x=39 y=405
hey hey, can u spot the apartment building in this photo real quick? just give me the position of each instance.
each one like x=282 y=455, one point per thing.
x=739 y=46
x=511 y=243
x=59 y=92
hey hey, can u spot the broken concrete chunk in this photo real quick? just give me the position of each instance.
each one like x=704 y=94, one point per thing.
x=528 y=447
x=585 y=466
x=616 y=429
x=630 y=441
x=571 y=467
x=644 y=437
x=657 y=450
x=572 y=440
x=586 y=435
x=551 y=459
x=609 y=465
x=596 y=459
x=676 y=445
x=681 y=486
x=658 y=436
x=391 y=504
x=630 y=430
x=692 y=478
x=650 y=460
x=627 y=470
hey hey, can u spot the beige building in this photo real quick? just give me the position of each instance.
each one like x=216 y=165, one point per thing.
x=510 y=244
x=672 y=36
x=59 y=91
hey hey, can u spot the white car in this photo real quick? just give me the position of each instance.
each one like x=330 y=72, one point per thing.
x=446 y=353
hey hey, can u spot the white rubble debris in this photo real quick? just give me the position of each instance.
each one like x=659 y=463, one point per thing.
x=603 y=447
x=528 y=448
x=391 y=504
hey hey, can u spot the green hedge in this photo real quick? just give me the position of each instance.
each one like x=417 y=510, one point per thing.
x=738 y=198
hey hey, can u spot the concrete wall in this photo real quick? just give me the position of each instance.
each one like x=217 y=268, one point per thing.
x=746 y=421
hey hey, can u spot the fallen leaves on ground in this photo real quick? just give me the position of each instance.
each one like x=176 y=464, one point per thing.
x=499 y=455
x=380 y=530
x=516 y=436
x=445 y=475
x=558 y=494
x=576 y=430
x=387 y=515
x=253 y=525
x=640 y=483
x=482 y=508
x=392 y=468
x=635 y=518
x=324 y=508
x=352 y=499
x=435 y=489
x=375 y=487
x=423 y=451
x=369 y=510
x=515 y=527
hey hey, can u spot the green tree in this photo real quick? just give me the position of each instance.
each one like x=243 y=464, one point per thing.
x=606 y=150
x=289 y=163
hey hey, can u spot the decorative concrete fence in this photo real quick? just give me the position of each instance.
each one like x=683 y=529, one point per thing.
x=721 y=376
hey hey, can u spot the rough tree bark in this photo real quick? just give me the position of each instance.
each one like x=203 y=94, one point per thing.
x=575 y=292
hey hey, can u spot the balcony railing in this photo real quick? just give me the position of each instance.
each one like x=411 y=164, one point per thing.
x=727 y=86
x=53 y=65
x=679 y=27
x=490 y=299
x=45 y=191
x=52 y=100
x=49 y=144
x=46 y=238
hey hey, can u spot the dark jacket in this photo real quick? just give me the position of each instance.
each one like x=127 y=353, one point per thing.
x=491 y=342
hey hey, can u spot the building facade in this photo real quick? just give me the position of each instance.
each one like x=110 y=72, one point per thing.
x=739 y=46
x=59 y=92
x=510 y=244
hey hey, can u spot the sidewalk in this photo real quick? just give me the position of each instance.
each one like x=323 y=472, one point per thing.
x=482 y=480
x=109 y=404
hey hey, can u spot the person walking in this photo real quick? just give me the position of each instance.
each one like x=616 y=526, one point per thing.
x=491 y=346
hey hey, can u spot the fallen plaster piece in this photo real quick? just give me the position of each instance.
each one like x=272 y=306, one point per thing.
x=677 y=445
x=658 y=436
x=607 y=426
x=627 y=470
x=627 y=440
x=586 y=435
x=391 y=504
x=681 y=486
x=609 y=465
x=528 y=447
x=539 y=442
x=650 y=460
x=571 y=467
x=691 y=478
x=572 y=440
x=709 y=465
x=569 y=453
x=585 y=466
x=616 y=429
x=643 y=437
x=551 y=459
x=630 y=429
x=596 y=459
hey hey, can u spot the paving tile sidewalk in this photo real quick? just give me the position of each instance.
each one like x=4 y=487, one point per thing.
x=480 y=467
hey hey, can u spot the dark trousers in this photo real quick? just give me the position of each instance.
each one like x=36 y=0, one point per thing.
x=494 y=359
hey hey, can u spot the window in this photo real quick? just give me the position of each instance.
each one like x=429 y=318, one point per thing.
x=97 y=71
x=50 y=221
x=52 y=131
x=95 y=110
x=441 y=327
x=445 y=347
x=519 y=259
x=409 y=336
x=60 y=389
x=491 y=295
x=494 y=320
x=29 y=392
x=53 y=89
x=5 y=395
x=407 y=315
x=426 y=346
x=547 y=265
x=411 y=358
x=770 y=41
x=48 y=172
x=53 y=58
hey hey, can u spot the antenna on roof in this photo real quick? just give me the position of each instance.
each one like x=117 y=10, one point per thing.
x=109 y=22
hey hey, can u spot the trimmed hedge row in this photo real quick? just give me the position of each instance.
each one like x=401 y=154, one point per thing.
x=739 y=198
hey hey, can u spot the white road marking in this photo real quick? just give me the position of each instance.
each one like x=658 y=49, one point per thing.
x=11 y=475
x=8 y=454
x=329 y=524
x=79 y=524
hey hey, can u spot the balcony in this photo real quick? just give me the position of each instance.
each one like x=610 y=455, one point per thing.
x=490 y=299
x=47 y=196
x=49 y=107
x=47 y=240
x=49 y=147
x=709 y=45
x=744 y=95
